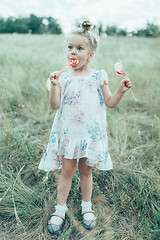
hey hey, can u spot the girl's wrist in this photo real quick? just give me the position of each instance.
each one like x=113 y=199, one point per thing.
x=121 y=92
x=52 y=84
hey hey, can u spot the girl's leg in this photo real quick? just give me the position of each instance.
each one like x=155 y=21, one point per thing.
x=86 y=188
x=64 y=184
x=85 y=179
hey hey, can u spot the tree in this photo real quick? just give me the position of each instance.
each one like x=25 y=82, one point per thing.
x=20 y=25
x=151 y=30
x=9 y=25
x=100 y=27
x=2 y=25
x=53 y=26
x=35 y=24
x=111 y=30
x=122 y=32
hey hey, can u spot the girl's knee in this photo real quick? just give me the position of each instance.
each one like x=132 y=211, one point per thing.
x=68 y=171
x=84 y=169
x=69 y=167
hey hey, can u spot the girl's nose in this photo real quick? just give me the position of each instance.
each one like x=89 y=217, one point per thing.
x=73 y=51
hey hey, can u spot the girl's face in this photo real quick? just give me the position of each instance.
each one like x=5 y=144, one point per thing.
x=79 y=49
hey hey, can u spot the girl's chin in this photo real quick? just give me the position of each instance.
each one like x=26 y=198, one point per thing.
x=75 y=67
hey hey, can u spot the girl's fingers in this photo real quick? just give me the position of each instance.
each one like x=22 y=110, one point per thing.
x=126 y=81
x=125 y=84
x=52 y=76
x=129 y=85
x=54 y=82
x=55 y=75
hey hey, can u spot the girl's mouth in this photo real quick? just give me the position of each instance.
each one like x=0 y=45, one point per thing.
x=73 y=62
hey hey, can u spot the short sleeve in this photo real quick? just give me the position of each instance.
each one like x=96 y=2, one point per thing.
x=103 y=77
x=48 y=83
x=61 y=79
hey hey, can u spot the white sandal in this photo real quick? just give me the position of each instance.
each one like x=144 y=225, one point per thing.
x=55 y=228
x=89 y=224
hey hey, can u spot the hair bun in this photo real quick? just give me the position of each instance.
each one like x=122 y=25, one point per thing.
x=86 y=25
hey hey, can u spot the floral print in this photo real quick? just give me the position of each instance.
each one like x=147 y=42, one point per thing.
x=79 y=127
x=101 y=99
x=72 y=100
x=95 y=132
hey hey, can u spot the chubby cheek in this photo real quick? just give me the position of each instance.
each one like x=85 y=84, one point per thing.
x=68 y=56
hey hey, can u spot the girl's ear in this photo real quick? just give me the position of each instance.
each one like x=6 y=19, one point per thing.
x=91 y=54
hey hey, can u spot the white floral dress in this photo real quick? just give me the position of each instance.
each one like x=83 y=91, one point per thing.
x=79 y=127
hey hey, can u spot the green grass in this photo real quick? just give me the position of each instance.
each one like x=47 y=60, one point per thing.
x=126 y=199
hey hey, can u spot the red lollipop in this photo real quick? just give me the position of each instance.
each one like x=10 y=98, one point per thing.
x=73 y=62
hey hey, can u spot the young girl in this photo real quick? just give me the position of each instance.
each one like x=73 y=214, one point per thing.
x=78 y=136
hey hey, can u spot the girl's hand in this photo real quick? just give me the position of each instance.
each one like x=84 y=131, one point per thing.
x=125 y=84
x=54 y=77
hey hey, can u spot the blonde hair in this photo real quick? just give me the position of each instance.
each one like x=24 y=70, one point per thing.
x=85 y=31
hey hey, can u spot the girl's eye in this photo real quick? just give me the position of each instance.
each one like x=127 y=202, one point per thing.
x=80 y=48
x=70 y=47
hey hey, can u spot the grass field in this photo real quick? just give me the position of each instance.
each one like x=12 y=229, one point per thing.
x=126 y=199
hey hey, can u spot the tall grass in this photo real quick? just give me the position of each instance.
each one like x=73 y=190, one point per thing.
x=126 y=199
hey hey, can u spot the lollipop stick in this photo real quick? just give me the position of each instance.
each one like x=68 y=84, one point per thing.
x=133 y=95
x=65 y=68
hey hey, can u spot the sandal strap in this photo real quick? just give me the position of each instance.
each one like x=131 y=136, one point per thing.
x=58 y=215
x=88 y=211
x=49 y=223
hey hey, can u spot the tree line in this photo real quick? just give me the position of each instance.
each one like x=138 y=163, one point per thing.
x=39 y=25
x=32 y=24
x=150 y=30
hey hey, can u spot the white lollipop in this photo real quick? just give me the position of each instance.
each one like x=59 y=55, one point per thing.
x=118 y=66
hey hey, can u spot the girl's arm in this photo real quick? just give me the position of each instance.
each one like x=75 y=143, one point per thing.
x=113 y=100
x=55 y=91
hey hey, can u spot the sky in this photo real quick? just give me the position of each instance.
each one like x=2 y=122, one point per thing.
x=130 y=14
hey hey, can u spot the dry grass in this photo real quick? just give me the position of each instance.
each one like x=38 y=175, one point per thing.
x=126 y=200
